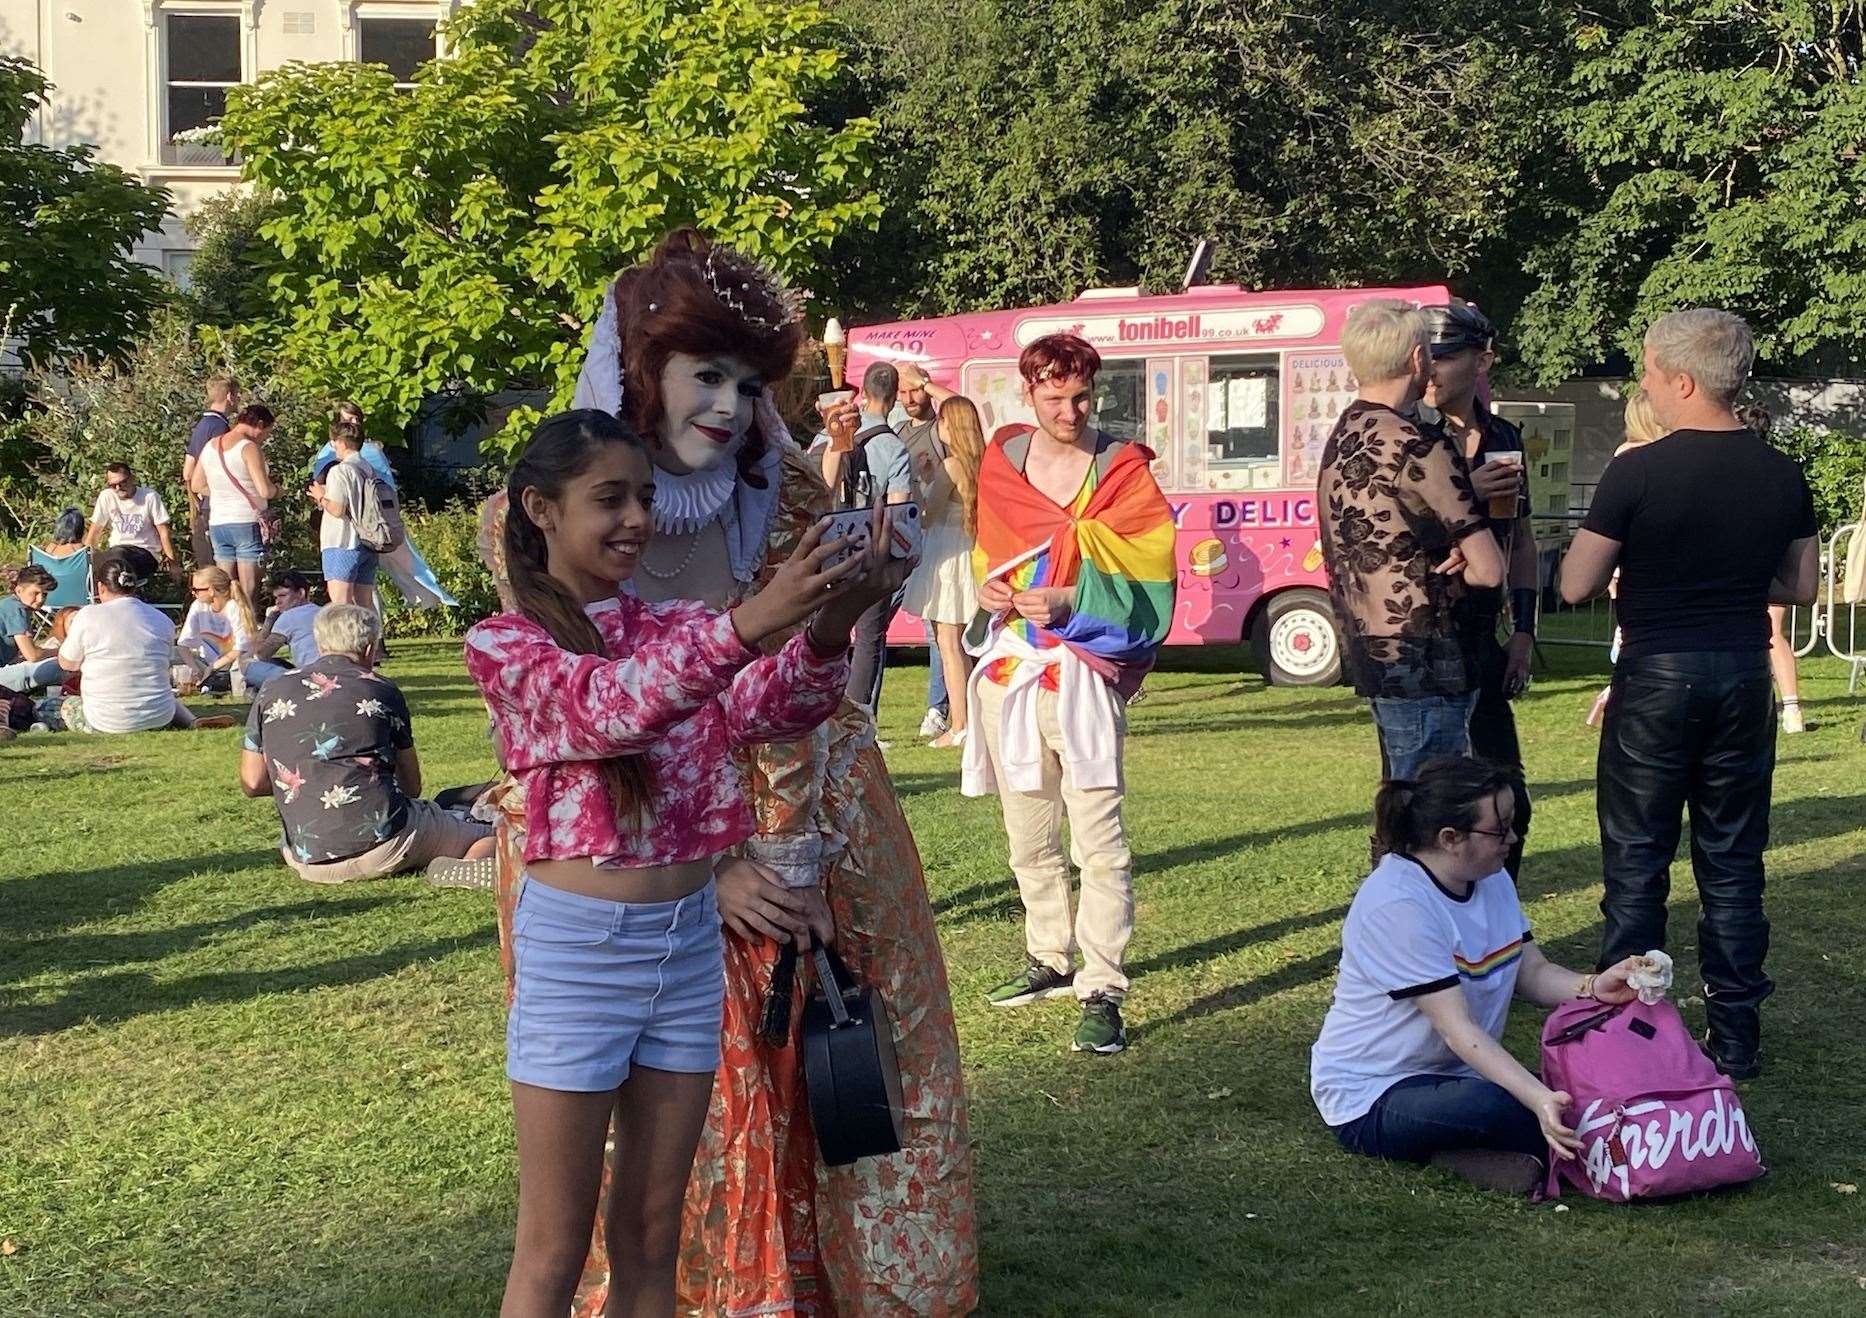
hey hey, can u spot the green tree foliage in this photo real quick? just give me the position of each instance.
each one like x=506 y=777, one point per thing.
x=1726 y=144
x=227 y=281
x=1033 y=149
x=68 y=287
x=455 y=239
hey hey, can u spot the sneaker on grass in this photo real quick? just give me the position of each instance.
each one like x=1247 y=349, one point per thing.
x=1033 y=983
x=450 y=873
x=1101 y=1030
x=933 y=724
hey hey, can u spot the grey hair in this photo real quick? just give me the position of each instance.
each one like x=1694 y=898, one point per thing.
x=1713 y=347
x=1381 y=336
x=346 y=629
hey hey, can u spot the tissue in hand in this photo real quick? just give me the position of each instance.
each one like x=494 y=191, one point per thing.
x=1652 y=977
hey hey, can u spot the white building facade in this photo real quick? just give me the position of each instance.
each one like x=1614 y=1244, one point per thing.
x=137 y=79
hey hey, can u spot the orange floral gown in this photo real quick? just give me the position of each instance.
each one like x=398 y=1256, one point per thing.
x=768 y=1229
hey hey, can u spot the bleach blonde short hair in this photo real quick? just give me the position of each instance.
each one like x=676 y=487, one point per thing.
x=1642 y=424
x=1380 y=336
x=346 y=629
x=1713 y=347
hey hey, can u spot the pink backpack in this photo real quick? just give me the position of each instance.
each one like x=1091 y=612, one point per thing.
x=1654 y=1114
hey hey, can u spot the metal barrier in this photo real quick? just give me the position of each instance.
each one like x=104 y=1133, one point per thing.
x=1830 y=619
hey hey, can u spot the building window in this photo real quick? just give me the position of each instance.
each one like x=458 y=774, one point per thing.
x=402 y=45
x=203 y=60
x=1120 y=397
x=1241 y=424
x=179 y=267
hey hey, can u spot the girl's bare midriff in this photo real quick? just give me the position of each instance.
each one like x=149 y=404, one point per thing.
x=654 y=883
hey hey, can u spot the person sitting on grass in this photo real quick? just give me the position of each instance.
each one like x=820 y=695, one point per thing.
x=25 y=665
x=122 y=647
x=287 y=626
x=217 y=634
x=1408 y=1066
x=332 y=743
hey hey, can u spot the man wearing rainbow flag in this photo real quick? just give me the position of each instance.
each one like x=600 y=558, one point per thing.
x=1076 y=572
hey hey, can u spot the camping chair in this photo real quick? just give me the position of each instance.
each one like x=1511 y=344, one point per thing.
x=73 y=574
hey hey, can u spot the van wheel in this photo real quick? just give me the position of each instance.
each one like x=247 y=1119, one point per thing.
x=1295 y=640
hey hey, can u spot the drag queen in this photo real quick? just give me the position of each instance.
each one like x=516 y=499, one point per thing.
x=687 y=349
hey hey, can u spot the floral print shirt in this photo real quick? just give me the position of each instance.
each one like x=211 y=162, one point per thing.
x=1394 y=500
x=330 y=733
x=685 y=693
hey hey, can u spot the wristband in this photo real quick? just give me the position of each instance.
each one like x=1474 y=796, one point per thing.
x=1523 y=610
x=1587 y=987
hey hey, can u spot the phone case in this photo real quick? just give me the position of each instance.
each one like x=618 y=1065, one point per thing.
x=852 y=523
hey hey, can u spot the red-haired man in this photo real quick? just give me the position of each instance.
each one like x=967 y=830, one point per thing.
x=1050 y=689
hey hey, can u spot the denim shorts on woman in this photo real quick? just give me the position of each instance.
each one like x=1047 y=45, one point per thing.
x=604 y=985
x=356 y=566
x=236 y=542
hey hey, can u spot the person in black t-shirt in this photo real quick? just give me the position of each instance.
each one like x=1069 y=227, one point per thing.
x=1707 y=526
x=223 y=400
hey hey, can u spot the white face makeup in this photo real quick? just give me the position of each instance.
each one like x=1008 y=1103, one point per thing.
x=706 y=411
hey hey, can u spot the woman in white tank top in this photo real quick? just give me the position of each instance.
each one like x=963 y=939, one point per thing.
x=232 y=473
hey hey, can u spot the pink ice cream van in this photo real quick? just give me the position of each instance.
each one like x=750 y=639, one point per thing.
x=1236 y=392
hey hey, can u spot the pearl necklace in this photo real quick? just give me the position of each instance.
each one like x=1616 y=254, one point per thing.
x=693 y=546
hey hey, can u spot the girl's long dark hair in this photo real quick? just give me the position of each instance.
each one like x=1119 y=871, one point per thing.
x=560 y=449
x=1448 y=792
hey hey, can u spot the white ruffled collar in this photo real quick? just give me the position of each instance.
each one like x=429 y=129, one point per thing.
x=686 y=501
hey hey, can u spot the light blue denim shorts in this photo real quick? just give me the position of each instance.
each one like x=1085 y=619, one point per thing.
x=604 y=985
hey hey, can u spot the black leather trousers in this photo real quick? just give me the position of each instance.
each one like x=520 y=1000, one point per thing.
x=1692 y=732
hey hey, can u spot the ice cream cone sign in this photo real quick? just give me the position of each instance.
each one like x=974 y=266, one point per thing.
x=836 y=349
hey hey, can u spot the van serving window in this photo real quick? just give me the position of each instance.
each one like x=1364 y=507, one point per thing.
x=1242 y=410
x=1120 y=397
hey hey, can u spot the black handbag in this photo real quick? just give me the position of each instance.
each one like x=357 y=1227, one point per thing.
x=850 y=1071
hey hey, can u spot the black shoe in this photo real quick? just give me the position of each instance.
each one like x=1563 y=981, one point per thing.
x=1736 y=1068
x=1494 y=1169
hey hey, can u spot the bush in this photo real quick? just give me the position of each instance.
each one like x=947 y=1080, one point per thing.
x=141 y=412
x=1834 y=463
x=449 y=539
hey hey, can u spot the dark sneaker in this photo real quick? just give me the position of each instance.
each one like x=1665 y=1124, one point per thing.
x=450 y=873
x=1101 y=1030
x=1033 y=983
x=1494 y=1169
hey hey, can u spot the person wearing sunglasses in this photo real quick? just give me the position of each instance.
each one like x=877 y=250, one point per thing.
x=1409 y=1065
x=132 y=514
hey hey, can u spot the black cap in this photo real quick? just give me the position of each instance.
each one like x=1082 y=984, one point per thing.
x=1459 y=326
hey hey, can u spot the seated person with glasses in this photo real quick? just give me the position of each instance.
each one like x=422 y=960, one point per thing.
x=1409 y=1065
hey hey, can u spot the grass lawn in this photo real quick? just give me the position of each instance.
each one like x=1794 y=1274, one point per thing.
x=223 y=1091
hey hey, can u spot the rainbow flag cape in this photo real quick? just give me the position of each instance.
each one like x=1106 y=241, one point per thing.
x=1117 y=551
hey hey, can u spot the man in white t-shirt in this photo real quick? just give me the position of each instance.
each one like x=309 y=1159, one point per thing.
x=287 y=626
x=349 y=564
x=133 y=515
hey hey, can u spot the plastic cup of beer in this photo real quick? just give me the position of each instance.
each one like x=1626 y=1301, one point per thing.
x=1504 y=505
x=833 y=398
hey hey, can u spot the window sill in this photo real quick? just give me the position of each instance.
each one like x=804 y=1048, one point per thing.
x=214 y=173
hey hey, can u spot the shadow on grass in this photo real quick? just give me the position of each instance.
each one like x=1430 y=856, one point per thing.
x=108 y=999
x=44 y=903
x=1309 y=970
x=35 y=956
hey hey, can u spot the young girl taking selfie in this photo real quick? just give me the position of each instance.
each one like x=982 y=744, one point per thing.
x=619 y=717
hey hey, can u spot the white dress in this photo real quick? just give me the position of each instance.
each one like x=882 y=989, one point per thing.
x=941 y=588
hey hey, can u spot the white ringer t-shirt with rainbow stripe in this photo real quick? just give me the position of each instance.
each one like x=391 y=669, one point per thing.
x=1406 y=936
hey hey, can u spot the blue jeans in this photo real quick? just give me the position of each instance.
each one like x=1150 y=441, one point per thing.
x=1427 y=1114
x=237 y=542
x=1415 y=729
x=937 y=697
x=31 y=675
